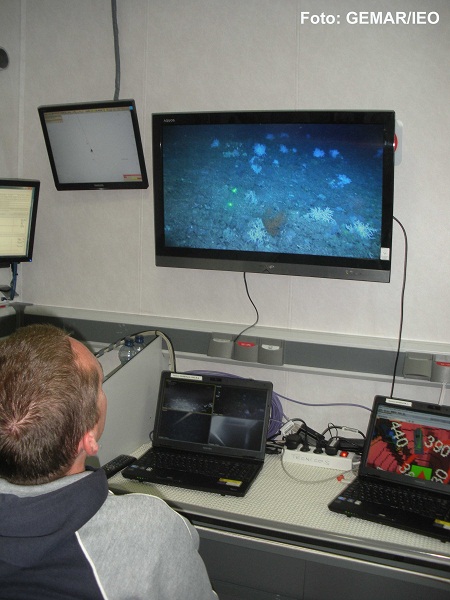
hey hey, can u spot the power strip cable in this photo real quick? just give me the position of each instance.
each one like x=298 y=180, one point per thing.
x=254 y=306
x=116 y=48
x=340 y=477
x=402 y=305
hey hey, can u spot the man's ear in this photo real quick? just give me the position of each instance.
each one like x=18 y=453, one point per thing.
x=89 y=443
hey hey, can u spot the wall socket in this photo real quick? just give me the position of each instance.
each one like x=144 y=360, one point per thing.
x=429 y=367
x=246 y=348
x=440 y=368
x=417 y=366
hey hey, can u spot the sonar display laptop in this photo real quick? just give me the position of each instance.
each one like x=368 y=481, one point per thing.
x=404 y=475
x=210 y=433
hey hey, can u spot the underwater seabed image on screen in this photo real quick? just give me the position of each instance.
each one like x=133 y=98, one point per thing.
x=288 y=189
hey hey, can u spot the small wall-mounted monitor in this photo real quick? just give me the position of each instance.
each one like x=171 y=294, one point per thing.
x=94 y=145
x=18 y=210
x=285 y=192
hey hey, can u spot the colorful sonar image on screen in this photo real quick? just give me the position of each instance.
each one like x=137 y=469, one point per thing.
x=412 y=449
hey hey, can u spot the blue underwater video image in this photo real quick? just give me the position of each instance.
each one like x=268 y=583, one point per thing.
x=287 y=189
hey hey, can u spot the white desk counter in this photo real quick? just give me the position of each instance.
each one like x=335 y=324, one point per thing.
x=288 y=513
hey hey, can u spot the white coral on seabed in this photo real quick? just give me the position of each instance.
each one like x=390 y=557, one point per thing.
x=258 y=233
x=324 y=215
x=340 y=181
x=251 y=197
x=259 y=149
x=362 y=229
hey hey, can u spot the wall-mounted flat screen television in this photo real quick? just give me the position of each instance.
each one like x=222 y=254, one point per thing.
x=18 y=211
x=94 y=145
x=286 y=192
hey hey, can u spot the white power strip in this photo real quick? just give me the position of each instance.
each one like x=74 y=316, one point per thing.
x=338 y=462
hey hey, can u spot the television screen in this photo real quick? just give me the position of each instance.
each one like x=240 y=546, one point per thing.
x=18 y=210
x=293 y=192
x=94 y=145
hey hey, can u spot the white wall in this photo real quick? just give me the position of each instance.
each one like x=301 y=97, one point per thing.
x=95 y=249
x=9 y=88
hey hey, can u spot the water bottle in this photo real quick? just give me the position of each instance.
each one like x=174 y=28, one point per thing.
x=127 y=351
x=139 y=343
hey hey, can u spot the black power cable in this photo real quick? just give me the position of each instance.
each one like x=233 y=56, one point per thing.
x=254 y=306
x=116 y=48
x=402 y=303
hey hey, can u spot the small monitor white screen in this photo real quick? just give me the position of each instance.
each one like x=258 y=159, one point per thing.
x=16 y=206
x=94 y=145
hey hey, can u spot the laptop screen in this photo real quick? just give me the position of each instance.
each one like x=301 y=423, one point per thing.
x=409 y=442
x=208 y=413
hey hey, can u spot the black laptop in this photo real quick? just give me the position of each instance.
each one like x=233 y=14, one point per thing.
x=210 y=433
x=404 y=475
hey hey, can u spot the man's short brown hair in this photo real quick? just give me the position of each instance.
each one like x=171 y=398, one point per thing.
x=48 y=401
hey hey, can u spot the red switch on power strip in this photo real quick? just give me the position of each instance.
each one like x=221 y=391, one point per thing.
x=246 y=349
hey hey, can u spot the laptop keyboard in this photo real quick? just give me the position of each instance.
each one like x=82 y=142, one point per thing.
x=211 y=466
x=413 y=501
